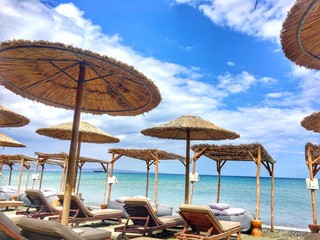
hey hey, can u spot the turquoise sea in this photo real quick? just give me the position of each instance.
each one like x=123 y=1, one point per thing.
x=292 y=199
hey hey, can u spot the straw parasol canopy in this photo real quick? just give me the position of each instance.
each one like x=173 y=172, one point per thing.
x=9 y=118
x=87 y=133
x=300 y=34
x=68 y=77
x=7 y=141
x=189 y=128
x=312 y=122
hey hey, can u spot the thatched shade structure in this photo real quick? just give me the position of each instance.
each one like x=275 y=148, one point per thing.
x=300 y=34
x=61 y=159
x=68 y=77
x=244 y=152
x=24 y=161
x=150 y=156
x=9 y=118
x=312 y=122
x=189 y=128
x=6 y=141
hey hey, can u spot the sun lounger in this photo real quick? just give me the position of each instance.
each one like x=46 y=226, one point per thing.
x=8 y=203
x=30 y=228
x=80 y=213
x=43 y=207
x=144 y=220
x=203 y=225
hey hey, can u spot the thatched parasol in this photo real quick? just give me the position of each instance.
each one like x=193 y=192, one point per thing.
x=87 y=133
x=71 y=78
x=6 y=141
x=189 y=128
x=312 y=122
x=300 y=34
x=9 y=118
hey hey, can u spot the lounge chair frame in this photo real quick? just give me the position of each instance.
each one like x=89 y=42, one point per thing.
x=204 y=225
x=143 y=218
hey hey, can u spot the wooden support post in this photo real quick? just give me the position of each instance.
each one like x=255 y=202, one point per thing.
x=27 y=178
x=20 y=176
x=186 y=187
x=63 y=176
x=41 y=177
x=73 y=146
x=156 y=182
x=147 y=178
x=79 y=178
x=272 y=198
x=77 y=164
x=313 y=196
x=34 y=173
x=219 y=181
x=10 y=175
x=192 y=183
x=111 y=174
x=106 y=182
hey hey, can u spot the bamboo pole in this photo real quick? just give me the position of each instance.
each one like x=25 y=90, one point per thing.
x=156 y=182
x=111 y=174
x=186 y=193
x=272 y=199
x=73 y=146
x=313 y=196
x=147 y=178
x=20 y=176
x=258 y=183
x=42 y=171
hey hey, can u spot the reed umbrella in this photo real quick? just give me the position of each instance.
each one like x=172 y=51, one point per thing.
x=189 y=128
x=312 y=123
x=9 y=118
x=71 y=78
x=87 y=133
x=6 y=141
x=300 y=34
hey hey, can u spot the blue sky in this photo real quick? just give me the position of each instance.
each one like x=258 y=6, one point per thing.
x=220 y=60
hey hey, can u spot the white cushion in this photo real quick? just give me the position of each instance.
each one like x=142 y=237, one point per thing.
x=232 y=211
x=121 y=199
x=215 y=211
x=219 y=206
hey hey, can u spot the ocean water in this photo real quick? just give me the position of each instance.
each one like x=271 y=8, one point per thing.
x=292 y=199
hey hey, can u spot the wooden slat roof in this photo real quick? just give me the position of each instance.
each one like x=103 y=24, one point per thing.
x=17 y=158
x=147 y=154
x=243 y=152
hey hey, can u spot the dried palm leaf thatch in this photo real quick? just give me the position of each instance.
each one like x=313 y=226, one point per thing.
x=199 y=130
x=300 y=36
x=49 y=72
x=87 y=133
x=314 y=154
x=9 y=118
x=228 y=152
x=7 y=141
x=146 y=154
x=312 y=122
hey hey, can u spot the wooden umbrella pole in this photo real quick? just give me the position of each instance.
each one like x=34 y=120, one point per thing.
x=111 y=174
x=42 y=171
x=20 y=176
x=258 y=184
x=63 y=174
x=156 y=182
x=73 y=147
x=272 y=198
x=77 y=163
x=219 y=183
x=313 y=196
x=147 y=178
x=186 y=193
x=106 y=182
x=192 y=183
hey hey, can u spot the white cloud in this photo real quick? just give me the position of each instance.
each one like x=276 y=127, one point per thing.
x=231 y=64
